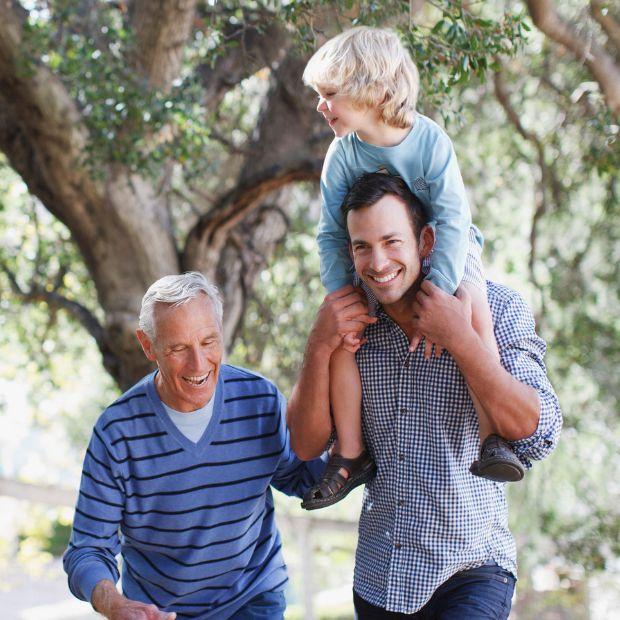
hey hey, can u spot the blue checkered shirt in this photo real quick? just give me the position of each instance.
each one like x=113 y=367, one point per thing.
x=424 y=516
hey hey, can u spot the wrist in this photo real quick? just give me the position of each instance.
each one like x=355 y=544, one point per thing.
x=463 y=344
x=319 y=350
x=105 y=598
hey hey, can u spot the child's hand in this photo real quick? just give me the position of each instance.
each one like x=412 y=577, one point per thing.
x=352 y=342
x=428 y=345
x=428 y=349
x=442 y=318
x=415 y=341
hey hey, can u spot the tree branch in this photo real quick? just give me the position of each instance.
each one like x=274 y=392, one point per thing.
x=601 y=65
x=56 y=301
x=162 y=28
x=40 y=124
x=208 y=236
x=546 y=175
x=606 y=21
x=260 y=41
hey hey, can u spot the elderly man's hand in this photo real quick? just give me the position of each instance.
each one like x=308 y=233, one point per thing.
x=344 y=311
x=134 y=610
x=114 y=606
x=441 y=318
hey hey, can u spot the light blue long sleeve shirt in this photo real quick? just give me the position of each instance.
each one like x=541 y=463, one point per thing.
x=426 y=161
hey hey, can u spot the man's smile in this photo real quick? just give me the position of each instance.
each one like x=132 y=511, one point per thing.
x=198 y=380
x=384 y=279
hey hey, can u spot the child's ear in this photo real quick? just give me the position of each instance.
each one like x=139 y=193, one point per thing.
x=427 y=240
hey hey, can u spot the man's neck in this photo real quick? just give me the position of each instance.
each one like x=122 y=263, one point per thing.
x=401 y=311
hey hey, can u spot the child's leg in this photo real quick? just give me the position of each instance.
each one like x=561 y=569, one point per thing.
x=351 y=465
x=497 y=460
x=345 y=394
x=482 y=322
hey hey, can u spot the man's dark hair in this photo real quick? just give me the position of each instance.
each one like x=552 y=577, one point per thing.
x=373 y=186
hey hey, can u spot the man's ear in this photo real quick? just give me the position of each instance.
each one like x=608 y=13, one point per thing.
x=146 y=344
x=427 y=240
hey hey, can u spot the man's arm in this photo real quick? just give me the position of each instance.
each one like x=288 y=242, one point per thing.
x=308 y=413
x=515 y=393
x=90 y=560
x=293 y=476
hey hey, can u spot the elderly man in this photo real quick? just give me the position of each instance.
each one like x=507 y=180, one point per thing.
x=433 y=539
x=182 y=463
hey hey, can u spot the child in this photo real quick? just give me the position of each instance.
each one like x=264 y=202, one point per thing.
x=367 y=86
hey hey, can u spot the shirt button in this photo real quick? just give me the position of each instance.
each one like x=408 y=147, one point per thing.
x=397 y=545
x=407 y=363
x=401 y=457
x=403 y=411
x=401 y=502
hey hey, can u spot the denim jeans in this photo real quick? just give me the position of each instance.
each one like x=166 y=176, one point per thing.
x=483 y=593
x=265 y=606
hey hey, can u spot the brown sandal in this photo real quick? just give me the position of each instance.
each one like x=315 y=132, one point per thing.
x=334 y=486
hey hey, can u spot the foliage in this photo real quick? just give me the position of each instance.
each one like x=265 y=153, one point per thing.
x=451 y=43
x=131 y=124
x=545 y=193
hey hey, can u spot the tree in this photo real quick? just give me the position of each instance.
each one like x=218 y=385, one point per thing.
x=601 y=60
x=126 y=121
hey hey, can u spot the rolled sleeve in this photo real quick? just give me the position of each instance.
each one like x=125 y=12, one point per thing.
x=293 y=476
x=522 y=353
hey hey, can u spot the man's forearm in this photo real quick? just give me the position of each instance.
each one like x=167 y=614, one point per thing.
x=513 y=408
x=105 y=597
x=308 y=415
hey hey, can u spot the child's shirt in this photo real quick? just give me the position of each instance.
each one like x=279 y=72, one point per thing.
x=426 y=161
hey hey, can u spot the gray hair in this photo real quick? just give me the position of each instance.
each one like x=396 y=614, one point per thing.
x=177 y=290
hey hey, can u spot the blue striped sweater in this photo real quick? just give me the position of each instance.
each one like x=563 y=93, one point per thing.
x=194 y=522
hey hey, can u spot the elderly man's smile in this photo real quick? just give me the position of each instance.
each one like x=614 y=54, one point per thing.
x=197 y=381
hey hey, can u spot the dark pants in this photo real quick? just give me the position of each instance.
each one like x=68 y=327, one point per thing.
x=265 y=606
x=483 y=593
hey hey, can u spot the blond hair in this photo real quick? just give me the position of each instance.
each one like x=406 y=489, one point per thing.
x=373 y=68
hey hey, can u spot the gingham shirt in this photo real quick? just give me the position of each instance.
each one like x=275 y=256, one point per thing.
x=424 y=516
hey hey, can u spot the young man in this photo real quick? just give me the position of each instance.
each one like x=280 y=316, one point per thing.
x=433 y=540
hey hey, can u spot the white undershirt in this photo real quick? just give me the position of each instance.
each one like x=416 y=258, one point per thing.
x=193 y=423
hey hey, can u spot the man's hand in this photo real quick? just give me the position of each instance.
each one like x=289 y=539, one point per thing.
x=344 y=311
x=441 y=318
x=114 y=606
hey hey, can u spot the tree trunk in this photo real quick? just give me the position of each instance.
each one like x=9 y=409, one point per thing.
x=120 y=220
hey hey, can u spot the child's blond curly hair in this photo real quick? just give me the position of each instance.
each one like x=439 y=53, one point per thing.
x=373 y=68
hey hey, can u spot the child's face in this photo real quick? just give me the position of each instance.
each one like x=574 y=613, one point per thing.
x=341 y=114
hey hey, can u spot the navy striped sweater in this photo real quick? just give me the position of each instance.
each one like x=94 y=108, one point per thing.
x=194 y=523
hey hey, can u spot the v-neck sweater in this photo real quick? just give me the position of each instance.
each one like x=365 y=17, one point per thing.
x=193 y=522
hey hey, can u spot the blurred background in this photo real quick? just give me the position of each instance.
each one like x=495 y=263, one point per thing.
x=140 y=138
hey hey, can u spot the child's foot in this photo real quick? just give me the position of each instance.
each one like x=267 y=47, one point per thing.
x=497 y=461
x=334 y=486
